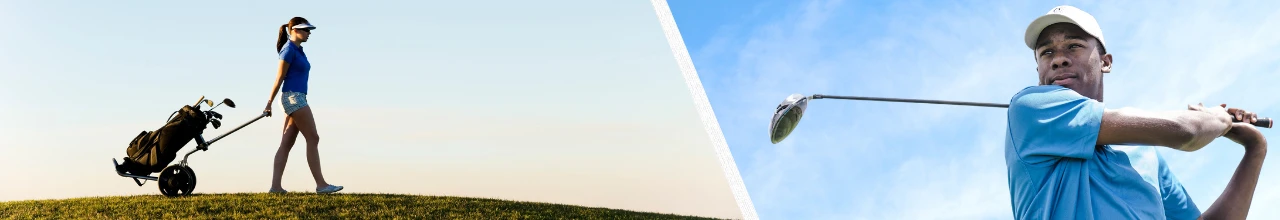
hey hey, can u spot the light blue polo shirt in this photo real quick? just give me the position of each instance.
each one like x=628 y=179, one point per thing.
x=1056 y=171
x=295 y=78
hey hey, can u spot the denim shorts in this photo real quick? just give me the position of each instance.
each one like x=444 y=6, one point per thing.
x=293 y=101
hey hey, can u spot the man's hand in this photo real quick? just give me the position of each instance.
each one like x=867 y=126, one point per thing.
x=1242 y=115
x=1235 y=200
x=1248 y=136
x=1219 y=112
x=1244 y=133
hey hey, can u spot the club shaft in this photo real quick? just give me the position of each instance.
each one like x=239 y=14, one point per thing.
x=1262 y=122
x=926 y=101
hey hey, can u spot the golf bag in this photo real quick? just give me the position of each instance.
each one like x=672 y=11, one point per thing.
x=151 y=151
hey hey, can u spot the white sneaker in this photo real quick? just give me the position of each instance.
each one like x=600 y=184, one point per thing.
x=329 y=189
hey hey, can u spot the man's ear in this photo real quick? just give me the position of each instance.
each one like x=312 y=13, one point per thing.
x=1106 y=63
x=1037 y=59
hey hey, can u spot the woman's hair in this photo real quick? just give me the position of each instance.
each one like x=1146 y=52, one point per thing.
x=284 y=31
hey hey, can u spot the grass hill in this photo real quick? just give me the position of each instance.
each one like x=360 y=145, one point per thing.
x=306 y=206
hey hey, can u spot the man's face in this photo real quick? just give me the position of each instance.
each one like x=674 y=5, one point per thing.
x=1069 y=57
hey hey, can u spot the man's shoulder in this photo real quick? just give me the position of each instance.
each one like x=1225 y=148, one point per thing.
x=1052 y=109
x=1049 y=97
x=1041 y=89
x=1045 y=93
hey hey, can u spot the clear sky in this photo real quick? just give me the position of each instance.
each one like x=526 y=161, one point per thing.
x=576 y=102
x=878 y=160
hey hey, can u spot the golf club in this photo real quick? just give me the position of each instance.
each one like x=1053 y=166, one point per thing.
x=788 y=113
x=224 y=101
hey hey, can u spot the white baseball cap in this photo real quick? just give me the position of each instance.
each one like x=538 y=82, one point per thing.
x=304 y=26
x=1067 y=14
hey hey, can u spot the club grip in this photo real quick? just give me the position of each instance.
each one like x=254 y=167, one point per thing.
x=1262 y=122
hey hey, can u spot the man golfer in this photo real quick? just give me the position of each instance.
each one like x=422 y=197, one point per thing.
x=1063 y=149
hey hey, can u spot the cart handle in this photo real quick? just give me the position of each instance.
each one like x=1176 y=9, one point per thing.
x=264 y=114
x=203 y=145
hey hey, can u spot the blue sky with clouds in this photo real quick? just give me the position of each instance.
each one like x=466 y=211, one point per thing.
x=878 y=160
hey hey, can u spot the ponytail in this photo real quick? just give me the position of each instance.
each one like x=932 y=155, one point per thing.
x=284 y=36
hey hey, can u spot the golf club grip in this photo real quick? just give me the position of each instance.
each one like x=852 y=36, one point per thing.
x=1262 y=122
x=198 y=102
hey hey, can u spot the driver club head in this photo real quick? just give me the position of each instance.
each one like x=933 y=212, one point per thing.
x=787 y=116
x=228 y=102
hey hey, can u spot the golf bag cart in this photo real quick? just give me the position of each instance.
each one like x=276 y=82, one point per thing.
x=152 y=151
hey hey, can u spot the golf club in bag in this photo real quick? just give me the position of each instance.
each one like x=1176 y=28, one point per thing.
x=788 y=113
x=152 y=151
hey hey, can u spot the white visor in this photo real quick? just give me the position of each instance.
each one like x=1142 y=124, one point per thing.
x=304 y=26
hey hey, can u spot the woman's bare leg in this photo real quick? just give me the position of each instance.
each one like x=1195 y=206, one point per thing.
x=306 y=124
x=282 y=154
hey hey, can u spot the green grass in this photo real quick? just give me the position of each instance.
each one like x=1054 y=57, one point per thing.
x=306 y=206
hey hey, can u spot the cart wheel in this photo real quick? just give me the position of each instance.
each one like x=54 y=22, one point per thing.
x=165 y=180
x=191 y=180
x=176 y=180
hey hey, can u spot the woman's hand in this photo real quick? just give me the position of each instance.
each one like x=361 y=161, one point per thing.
x=267 y=111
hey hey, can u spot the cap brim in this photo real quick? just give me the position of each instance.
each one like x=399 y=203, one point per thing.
x=1038 y=25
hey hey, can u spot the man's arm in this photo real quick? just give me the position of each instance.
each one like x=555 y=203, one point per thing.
x=1234 y=201
x=1186 y=130
x=1052 y=121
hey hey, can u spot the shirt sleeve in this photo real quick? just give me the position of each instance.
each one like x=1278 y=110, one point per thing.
x=1177 y=204
x=287 y=53
x=1052 y=122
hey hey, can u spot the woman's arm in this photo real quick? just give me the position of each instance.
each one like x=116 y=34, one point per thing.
x=275 y=87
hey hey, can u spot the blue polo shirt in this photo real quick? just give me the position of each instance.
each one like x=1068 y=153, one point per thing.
x=295 y=78
x=1056 y=171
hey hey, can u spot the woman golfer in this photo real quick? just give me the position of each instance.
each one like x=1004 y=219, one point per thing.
x=293 y=72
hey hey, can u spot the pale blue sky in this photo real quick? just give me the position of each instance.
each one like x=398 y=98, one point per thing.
x=576 y=102
x=878 y=160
